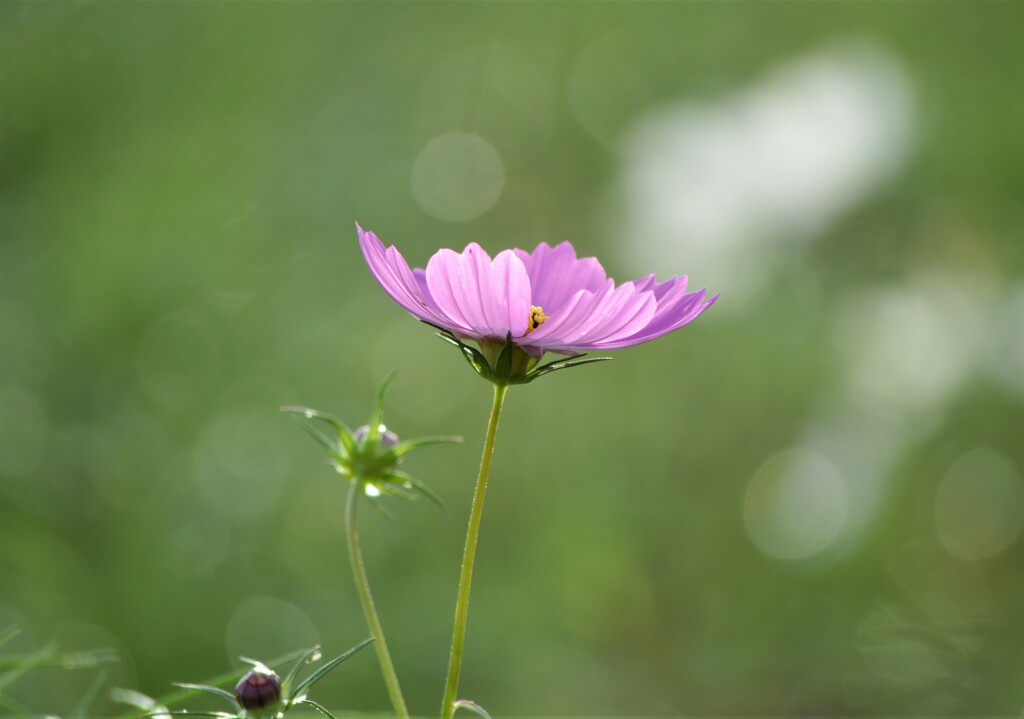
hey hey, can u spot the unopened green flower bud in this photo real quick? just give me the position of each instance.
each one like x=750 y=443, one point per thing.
x=388 y=439
x=258 y=690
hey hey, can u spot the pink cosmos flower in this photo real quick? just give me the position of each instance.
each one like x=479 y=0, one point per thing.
x=547 y=300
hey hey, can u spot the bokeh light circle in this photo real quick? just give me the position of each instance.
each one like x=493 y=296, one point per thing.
x=267 y=627
x=241 y=464
x=458 y=177
x=979 y=506
x=796 y=505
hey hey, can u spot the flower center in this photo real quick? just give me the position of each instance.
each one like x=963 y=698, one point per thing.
x=537 y=318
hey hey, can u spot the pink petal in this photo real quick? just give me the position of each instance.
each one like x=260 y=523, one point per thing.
x=683 y=314
x=489 y=298
x=556 y=275
x=392 y=273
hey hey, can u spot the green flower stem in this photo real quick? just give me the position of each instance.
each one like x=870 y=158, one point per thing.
x=466 y=577
x=355 y=554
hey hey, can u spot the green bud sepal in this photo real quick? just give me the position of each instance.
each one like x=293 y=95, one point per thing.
x=371 y=454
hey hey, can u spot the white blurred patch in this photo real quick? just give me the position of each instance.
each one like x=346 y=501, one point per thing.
x=713 y=188
x=910 y=348
x=905 y=353
x=979 y=506
x=457 y=177
x=796 y=505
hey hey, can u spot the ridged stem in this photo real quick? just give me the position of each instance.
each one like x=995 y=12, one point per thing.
x=355 y=554
x=468 y=557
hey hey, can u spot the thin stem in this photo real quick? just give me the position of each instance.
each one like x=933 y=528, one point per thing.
x=466 y=577
x=355 y=555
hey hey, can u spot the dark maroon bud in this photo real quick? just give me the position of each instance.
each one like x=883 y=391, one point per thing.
x=388 y=439
x=258 y=690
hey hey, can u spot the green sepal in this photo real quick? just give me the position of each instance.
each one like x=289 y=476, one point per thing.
x=394 y=489
x=557 y=365
x=372 y=440
x=403 y=448
x=472 y=355
x=344 y=433
x=322 y=671
x=215 y=691
x=503 y=365
x=422 y=488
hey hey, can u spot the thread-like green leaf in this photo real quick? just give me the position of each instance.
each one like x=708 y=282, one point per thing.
x=215 y=691
x=308 y=658
x=317 y=707
x=473 y=707
x=81 y=710
x=322 y=671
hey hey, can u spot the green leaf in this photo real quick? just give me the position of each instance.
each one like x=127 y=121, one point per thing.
x=308 y=658
x=29 y=663
x=215 y=691
x=81 y=710
x=317 y=707
x=159 y=714
x=422 y=488
x=66 y=660
x=377 y=417
x=9 y=634
x=473 y=707
x=227 y=678
x=135 y=699
x=322 y=671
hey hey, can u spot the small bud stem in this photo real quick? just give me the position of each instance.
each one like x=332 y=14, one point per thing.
x=468 y=557
x=355 y=554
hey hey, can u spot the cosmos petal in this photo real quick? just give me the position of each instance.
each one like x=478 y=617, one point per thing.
x=392 y=273
x=556 y=274
x=489 y=298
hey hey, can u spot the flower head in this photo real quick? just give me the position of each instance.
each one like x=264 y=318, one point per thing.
x=547 y=300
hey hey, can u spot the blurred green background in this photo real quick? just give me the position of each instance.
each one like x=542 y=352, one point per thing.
x=808 y=502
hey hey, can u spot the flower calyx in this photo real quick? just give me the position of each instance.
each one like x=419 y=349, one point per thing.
x=371 y=454
x=506 y=363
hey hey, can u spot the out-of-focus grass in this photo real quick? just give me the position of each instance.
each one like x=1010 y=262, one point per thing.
x=178 y=187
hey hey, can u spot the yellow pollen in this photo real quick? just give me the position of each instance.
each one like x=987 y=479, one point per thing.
x=537 y=318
